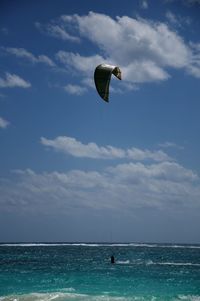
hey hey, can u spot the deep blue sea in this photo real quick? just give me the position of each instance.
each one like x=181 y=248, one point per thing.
x=143 y=272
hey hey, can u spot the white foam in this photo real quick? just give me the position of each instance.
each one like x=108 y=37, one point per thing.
x=67 y=297
x=189 y=298
x=59 y=296
x=149 y=262
x=123 y=262
x=147 y=245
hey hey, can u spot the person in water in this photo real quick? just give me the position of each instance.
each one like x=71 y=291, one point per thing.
x=112 y=259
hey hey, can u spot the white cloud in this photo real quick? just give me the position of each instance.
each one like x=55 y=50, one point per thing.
x=130 y=40
x=3 y=123
x=79 y=63
x=168 y=144
x=163 y=171
x=46 y=60
x=58 y=31
x=89 y=82
x=148 y=71
x=163 y=185
x=177 y=20
x=76 y=148
x=12 y=81
x=172 y=18
x=138 y=71
x=194 y=67
x=23 y=53
x=75 y=89
x=142 y=48
x=140 y=155
x=194 y=70
x=144 y=4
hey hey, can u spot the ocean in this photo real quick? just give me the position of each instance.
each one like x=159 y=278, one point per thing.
x=77 y=271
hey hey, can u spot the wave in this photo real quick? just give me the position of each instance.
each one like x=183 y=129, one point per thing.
x=189 y=298
x=147 y=245
x=60 y=296
x=149 y=262
x=57 y=244
x=123 y=262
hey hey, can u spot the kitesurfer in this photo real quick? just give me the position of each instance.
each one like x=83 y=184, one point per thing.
x=112 y=259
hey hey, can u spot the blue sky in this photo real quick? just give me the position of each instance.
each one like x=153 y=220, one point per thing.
x=74 y=168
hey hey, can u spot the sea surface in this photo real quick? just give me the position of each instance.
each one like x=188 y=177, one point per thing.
x=142 y=272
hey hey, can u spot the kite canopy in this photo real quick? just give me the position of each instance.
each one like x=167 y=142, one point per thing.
x=102 y=76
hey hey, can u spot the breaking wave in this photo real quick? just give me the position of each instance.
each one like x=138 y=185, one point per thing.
x=67 y=296
x=147 y=245
x=149 y=262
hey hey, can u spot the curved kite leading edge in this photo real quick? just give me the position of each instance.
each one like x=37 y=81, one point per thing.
x=102 y=76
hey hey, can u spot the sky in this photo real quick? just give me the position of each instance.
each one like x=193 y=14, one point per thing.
x=75 y=168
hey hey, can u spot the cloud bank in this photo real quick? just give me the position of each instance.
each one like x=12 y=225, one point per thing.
x=159 y=186
x=145 y=180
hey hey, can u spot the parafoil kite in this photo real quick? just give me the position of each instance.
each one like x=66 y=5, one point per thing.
x=102 y=76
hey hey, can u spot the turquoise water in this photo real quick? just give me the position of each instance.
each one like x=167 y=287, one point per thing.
x=84 y=272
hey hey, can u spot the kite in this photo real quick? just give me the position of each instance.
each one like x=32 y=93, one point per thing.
x=102 y=77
